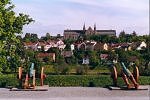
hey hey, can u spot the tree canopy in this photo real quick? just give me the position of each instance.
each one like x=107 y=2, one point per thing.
x=11 y=24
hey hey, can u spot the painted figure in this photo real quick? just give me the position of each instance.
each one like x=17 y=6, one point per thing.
x=126 y=74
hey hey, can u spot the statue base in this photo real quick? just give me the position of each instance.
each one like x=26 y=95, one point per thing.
x=141 y=87
x=37 y=88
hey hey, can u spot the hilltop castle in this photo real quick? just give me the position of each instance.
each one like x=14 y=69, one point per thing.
x=74 y=34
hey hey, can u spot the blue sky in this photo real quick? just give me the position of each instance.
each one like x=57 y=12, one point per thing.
x=54 y=16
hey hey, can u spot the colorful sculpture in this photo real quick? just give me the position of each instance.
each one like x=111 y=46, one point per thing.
x=24 y=79
x=126 y=75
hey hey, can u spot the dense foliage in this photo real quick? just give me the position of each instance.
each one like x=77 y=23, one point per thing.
x=11 y=24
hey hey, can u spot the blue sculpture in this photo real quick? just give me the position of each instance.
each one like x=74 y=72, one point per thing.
x=125 y=70
x=31 y=69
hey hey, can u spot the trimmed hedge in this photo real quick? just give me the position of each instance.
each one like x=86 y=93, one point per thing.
x=78 y=80
x=88 y=80
x=8 y=80
x=71 y=80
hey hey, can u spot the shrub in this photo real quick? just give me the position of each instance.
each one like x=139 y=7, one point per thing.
x=62 y=69
x=81 y=70
x=8 y=80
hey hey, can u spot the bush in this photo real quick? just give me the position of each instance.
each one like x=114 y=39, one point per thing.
x=62 y=69
x=81 y=70
x=144 y=71
x=8 y=80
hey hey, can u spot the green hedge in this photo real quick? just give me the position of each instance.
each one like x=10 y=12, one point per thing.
x=71 y=80
x=78 y=80
x=88 y=80
x=8 y=80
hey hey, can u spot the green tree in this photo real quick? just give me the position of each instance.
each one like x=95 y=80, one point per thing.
x=34 y=38
x=10 y=25
x=122 y=36
x=14 y=63
x=27 y=37
x=31 y=37
x=134 y=33
x=93 y=57
x=71 y=60
x=48 y=36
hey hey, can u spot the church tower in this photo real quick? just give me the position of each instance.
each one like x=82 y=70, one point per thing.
x=94 y=28
x=84 y=27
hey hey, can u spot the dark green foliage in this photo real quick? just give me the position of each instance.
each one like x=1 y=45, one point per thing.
x=68 y=46
x=46 y=37
x=61 y=69
x=103 y=38
x=71 y=60
x=82 y=69
x=8 y=80
x=46 y=59
x=10 y=25
x=144 y=70
x=30 y=37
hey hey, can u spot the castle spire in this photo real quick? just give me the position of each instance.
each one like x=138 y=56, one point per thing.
x=95 y=27
x=84 y=27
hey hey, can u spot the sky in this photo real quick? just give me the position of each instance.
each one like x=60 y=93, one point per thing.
x=54 y=16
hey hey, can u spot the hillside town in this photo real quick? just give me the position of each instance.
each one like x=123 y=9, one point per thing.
x=91 y=47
